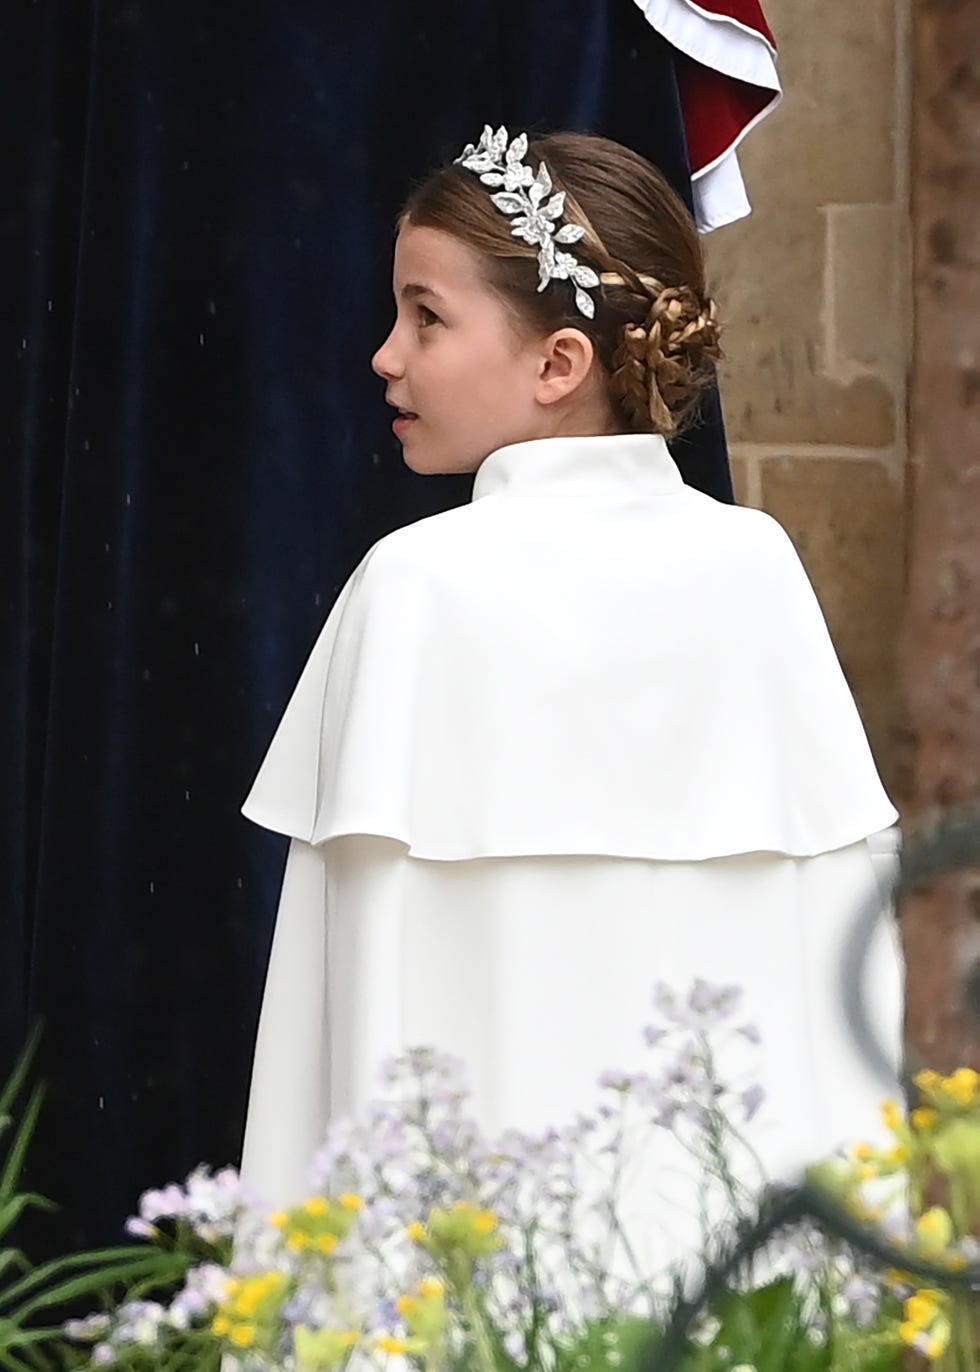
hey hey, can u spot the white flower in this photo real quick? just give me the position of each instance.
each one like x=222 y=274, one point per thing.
x=140 y=1322
x=88 y=1329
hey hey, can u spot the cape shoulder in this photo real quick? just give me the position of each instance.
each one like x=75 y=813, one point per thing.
x=651 y=679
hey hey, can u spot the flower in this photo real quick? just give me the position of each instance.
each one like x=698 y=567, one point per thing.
x=891 y=1113
x=317 y=1226
x=958 y=1092
x=319 y=1350
x=464 y=1231
x=251 y=1309
x=934 y=1232
x=418 y=1229
x=91 y=1328
x=926 y=1325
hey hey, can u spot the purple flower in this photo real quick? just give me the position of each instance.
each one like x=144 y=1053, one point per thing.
x=665 y=1000
x=752 y=1100
x=140 y=1228
x=863 y=1298
x=170 y=1202
x=712 y=1004
x=514 y=1346
x=615 y=1081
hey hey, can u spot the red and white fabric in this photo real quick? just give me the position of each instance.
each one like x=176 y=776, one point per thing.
x=726 y=69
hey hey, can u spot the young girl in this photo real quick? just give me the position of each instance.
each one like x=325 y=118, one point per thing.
x=585 y=734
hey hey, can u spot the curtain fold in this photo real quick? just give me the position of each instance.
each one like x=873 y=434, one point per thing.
x=196 y=240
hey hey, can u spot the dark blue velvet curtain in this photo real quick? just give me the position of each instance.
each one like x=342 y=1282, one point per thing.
x=196 y=228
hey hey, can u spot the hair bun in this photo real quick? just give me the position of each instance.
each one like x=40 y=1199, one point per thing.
x=663 y=364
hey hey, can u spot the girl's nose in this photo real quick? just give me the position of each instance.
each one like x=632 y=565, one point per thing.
x=385 y=361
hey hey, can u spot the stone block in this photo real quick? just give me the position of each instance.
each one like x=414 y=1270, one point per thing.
x=769 y=275
x=846 y=518
x=742 y=479
x=832 y=139
x=866 y=294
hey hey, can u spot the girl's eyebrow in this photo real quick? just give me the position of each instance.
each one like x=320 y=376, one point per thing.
x=417 y=288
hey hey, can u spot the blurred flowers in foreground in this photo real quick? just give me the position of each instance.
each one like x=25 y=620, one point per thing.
x=425 y=1245
x=921 y=1194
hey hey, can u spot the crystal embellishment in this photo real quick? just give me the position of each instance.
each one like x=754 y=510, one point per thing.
x=536 y=208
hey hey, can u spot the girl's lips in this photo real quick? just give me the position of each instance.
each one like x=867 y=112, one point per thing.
x=403 y=423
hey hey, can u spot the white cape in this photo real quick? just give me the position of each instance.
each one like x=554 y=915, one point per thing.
x=587 y=733
x=591 y=658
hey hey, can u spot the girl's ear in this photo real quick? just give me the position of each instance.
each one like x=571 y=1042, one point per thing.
x=566 y=362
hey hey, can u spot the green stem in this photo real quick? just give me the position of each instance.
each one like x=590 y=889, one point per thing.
x=964 y=1333
x=485 y=1359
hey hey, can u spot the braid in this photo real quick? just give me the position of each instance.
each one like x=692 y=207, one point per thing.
x=656 y=361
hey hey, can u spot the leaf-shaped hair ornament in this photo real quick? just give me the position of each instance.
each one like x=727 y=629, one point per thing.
x=526 y=196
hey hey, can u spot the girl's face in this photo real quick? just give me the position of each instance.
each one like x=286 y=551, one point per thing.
x=463 y=379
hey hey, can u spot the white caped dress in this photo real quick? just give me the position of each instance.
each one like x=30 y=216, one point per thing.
x=585 y=734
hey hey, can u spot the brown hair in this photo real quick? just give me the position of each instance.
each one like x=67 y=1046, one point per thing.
x=655 y=330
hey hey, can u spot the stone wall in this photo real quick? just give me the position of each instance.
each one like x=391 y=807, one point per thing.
x=813 y=289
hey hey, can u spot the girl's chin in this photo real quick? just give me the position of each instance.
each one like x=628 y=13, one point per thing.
x=425 y=459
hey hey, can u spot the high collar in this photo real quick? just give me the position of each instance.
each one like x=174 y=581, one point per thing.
x=632 y=464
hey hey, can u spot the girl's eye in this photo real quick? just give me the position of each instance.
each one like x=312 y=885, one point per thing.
x=427 y=317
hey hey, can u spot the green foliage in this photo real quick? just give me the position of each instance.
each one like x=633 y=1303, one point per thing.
x=34 y=1299
x=768 y=1329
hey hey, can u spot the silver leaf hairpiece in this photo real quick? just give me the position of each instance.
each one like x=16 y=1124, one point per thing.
x=527 y=196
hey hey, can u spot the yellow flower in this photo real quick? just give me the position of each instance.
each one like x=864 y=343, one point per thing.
x=926 y=1325
x=351 y=1202
x=394 y=1346
x=298 y=1242
x=928 y=1081
x=249 y=1299
x=898 y=1155
x=251 y=1309
x=416 y=1232
x=962 y=1086
x=425 y=1314
x=319 y=1350
x=934 y=1230
x=891 y=1113
x=317 y=1207
x=924 y=1118
x=922 y=1308
x=279 y=1220
x=462 y=1232
x=326 y=1243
